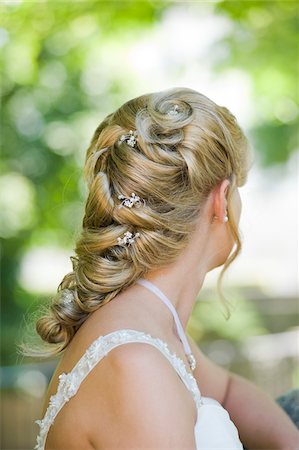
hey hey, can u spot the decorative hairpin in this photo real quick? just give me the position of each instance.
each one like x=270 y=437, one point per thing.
x=173 y=111
x=131 y=201
x=129 y=138
x=67 y=296
x=128 y=238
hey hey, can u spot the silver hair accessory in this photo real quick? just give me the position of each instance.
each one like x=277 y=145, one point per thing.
x=129 y=138
x=128 y=238
x=173 y=111
x=67 y=296
x=131 y=201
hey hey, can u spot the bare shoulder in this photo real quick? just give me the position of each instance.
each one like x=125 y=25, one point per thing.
x=141 y=402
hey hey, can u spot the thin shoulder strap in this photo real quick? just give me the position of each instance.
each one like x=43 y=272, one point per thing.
x=69 y=383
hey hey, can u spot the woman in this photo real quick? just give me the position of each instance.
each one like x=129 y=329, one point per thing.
x=163 y=210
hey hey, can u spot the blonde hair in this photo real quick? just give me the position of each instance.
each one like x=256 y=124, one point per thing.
x=179 y=158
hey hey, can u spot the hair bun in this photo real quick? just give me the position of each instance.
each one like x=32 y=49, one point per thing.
x=163 y=119
x=174 y=109
x=167 y=109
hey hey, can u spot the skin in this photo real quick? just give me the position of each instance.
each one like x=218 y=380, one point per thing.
x=182 y=281
x=138 y=308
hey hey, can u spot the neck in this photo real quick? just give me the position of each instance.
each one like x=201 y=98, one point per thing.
x=180 y=291
x=180 y=281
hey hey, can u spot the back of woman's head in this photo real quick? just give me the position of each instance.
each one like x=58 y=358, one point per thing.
x=185 y=146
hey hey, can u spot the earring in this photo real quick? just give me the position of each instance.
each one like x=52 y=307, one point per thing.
x=225 y=217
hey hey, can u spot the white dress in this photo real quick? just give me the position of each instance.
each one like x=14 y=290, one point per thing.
x=213 y=430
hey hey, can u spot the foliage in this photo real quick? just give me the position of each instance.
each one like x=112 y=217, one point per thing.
x=64 y=68
x=264 y=43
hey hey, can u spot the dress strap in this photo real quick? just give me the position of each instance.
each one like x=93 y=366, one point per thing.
x=157 y=291
x=69 y=383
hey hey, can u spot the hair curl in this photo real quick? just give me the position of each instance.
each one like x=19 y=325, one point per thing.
x=179 y=158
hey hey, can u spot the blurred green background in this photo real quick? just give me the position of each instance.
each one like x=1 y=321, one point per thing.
x=65 y=66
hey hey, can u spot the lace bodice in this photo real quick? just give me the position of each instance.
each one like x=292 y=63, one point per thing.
x=69 y=384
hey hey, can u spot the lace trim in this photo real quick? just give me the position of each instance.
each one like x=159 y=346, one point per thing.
x=69 y=382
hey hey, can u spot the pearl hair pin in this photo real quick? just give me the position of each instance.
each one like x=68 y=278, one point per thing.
x=134 y=200
x=130 y=138
x=127 y=239
x=173 y=111
x=67 y=296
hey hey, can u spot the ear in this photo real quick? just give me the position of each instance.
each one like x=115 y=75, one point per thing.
x=220 y=201
x=224 y=186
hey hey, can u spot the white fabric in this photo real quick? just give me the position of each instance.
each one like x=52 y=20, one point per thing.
x=214 y=428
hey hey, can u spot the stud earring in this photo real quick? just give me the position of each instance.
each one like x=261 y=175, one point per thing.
x=225 y=217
